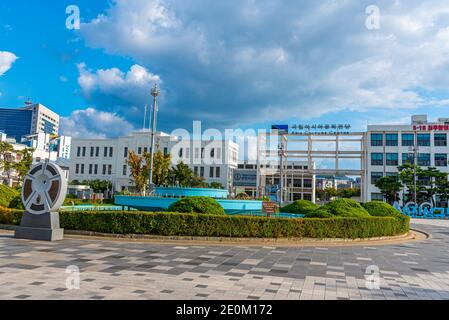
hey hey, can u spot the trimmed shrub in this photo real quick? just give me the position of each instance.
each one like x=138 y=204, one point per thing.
x=204 y=205
x=342 y=208
x=205 y=225
x=16 y=203
x=300 y=207
x=321 y=212
x=10 y=216
x=6 y=195
x=381 y=209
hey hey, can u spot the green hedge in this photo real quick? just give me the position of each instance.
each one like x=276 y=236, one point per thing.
x=381 y=209
x=6 y=195
x=203 y=225
x=340 y=208
x=204 y=205
x=300 y=207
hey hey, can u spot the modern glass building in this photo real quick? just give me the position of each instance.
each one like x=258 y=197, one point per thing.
x=32 y=119
x=16 y=122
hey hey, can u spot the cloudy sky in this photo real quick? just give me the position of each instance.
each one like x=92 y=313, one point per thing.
x=233 y=63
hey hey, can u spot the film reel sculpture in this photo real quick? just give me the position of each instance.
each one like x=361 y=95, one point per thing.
x=44 y=189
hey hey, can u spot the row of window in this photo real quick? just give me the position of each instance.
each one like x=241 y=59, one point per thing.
x=408 y=139
x=392 y=159
x=140 y=151
x=95 y=152
x=254 y=166
x=375 y=176
x=214 y=172
x=93 y=169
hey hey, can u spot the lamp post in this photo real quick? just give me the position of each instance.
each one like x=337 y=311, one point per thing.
x=155 y=92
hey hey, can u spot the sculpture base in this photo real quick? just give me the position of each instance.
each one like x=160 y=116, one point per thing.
x=43 y=227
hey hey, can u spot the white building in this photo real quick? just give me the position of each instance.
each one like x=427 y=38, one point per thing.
x=43 y=119
x=106 y=159
x=389 y=146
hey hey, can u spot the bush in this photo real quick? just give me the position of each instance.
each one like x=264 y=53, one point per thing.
x=381 y=209
x=243 y=196
x=341 y=208
x=7 y=194
x=321 y=212
x=197 y=205
x=16 y=203
x=10 y=216
x=204 y=225
x=300 y=207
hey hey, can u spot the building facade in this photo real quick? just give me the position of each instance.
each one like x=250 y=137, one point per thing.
x=29 y=120
x=390 y=146
x=299 y=184
x=107 y=159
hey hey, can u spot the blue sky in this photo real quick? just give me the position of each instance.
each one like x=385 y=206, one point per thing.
x=246 y=63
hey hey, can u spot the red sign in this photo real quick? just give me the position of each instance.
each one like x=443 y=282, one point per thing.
x=269 y=207
x=431 y=127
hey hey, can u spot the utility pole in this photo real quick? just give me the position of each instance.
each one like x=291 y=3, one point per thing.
x=281 y=170
x=155 y=92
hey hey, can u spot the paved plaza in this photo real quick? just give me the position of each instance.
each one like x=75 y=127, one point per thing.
x=145 y=270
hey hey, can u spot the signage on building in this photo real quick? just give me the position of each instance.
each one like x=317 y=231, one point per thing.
x=282 y=128
x=431 y=127
x=245 y=178
x=320 y=128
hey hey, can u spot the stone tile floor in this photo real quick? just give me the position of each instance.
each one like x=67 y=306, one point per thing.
x=145 y=270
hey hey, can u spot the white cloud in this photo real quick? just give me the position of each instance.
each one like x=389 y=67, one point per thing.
x=241 y=62
x=6 y=61
x=94 y=124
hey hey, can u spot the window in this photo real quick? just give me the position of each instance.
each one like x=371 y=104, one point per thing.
x=212 y=153
x=217 y=172
x=90 y=168
x=408 y=158
x=105 y=152
x=211 y=172
x=424 y=159
x=424 y=139
x=441 y=160
x=111 y=152
x=377 y=197
x=125 y=169
x=180 y=152
x=391 y=139
x=241 y=166
x=78 y=152
x=202 y=153
x=202 y=172
x=195 y=170
x=440 y=139
x=92 y=151
x=392 y=174
x=408 y=139
x=97 y=152
x=392 y=159
x=145 y=150
x=125 y=152
x=84 y=151
x=77 y=169
x=377 y=139
x=104 y=169
x=110 y=169
x=377 y=159
x=82 y=169
x=375 y=176
x=96 y=169
x=165 y=151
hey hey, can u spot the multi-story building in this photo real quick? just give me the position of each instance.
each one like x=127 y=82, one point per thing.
x=299 y=185
x=107 y=159
x=390 y=146
x=29 y=120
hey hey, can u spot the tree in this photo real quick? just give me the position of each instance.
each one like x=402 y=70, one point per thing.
x=389 y=187
x=139 y=174
x=216 y=185
x=161 y=168
x=182 y=175
x=348 y=193
x=24 y=165
x=99 y=186
x=198 y=182
x=406 y=177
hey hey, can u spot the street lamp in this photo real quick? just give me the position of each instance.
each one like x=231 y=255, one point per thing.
x=155 y=92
